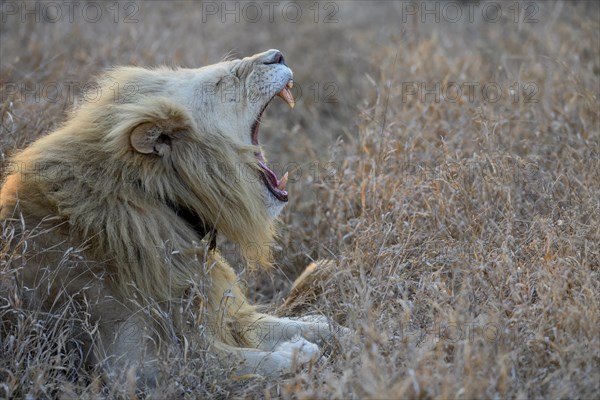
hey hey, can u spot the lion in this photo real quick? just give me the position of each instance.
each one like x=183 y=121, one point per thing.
x=133 y=190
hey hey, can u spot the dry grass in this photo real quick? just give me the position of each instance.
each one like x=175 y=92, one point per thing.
x=466 y=232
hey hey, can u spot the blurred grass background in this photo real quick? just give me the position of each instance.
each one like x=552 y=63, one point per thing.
x=464 y=225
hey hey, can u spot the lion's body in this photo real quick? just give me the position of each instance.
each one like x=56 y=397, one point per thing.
x=117 y=201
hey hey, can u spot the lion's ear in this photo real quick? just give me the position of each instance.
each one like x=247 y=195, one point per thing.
x=157 y=122
x=151 y=138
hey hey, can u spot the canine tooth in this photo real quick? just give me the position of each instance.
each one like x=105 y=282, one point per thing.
x=287 y=96
x=283 y=182
x=290 y=84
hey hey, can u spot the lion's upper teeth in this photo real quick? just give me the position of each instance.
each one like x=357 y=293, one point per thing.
x=283 y=182
x=286 y=95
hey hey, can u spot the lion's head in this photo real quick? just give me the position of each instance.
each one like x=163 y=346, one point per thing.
x=158 y=155
x=191 y=139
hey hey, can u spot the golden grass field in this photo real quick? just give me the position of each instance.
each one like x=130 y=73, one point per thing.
x=451 y=169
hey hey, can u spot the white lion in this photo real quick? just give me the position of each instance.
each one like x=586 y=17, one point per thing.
x=139 y=182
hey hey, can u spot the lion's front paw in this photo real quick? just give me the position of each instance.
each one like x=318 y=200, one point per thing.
x=282 y=360
x=299 y=348
x=320 y=329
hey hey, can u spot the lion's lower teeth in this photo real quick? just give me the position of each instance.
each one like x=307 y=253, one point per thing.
x=283 y=182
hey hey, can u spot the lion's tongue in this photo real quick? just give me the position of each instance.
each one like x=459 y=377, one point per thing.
x=273 y=181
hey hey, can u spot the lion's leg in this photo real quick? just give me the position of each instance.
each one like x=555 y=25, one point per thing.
x=237 y=323
x=253 y=342
x=228 y=310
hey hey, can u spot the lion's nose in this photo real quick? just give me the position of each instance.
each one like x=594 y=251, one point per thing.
x=271 y=57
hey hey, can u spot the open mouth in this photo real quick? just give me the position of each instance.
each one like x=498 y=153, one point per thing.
x=275 y=185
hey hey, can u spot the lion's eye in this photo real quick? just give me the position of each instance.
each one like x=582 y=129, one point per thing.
x=219 y=81
x=228 y=80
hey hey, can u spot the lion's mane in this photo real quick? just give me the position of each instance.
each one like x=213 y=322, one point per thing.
x=122 y=207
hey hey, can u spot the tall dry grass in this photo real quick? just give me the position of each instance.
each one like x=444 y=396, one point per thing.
x=465 y=229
